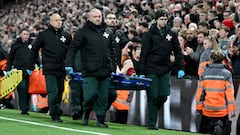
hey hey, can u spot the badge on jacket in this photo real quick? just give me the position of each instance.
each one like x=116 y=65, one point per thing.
x=117 y=40
x=105 y=34
x=63 y=39
x=30 y=46
x=168 y=37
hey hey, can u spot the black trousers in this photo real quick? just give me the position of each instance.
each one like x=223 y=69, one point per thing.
x=122 y=116
x=208 y=123
x=23 y=95
x=238 y=125
x=55 y=87
x=76 y=96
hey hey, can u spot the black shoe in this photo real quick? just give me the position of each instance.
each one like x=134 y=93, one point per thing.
x=85 y=118
x=25 y=113
x=61 y=112
x=75 y=116
x=152 y=128
x=57 y=120
x=101 y=121
x=217 y=130
x=102 y=125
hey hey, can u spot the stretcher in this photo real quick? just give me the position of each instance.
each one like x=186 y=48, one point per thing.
x=121 y=82
x=9 y=82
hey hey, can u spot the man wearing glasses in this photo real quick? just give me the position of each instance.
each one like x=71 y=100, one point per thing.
x=119 y=40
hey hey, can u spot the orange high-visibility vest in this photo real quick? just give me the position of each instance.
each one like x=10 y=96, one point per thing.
x=202 y=67
x=124 y=97
x=121 y=102
x=42 y=102
x=215 y=92
x=3 y=64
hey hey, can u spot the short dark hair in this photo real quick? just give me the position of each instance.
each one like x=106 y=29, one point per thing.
x=161 y=13
x=212 y=12
x=209 y=3
x=133 y=32
x=203 y=23
x=24 y=29
x=136 y=39
x=144 y=24
x=204 y=33
x=108 y=12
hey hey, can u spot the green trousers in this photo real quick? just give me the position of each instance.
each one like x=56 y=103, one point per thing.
x=112 y=95
x=76 y=96
x=156 y=96
x=55 y=87
x=22 y=89
x=95 y=94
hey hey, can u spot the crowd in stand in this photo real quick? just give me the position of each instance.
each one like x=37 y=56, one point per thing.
x=134 y=17
x=202 y=26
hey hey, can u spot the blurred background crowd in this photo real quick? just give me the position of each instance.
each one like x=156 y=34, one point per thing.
x=134 y=17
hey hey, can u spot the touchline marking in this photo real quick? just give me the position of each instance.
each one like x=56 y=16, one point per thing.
x=52 y=126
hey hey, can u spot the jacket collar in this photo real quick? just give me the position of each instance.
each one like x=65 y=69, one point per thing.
x=154 y=29
x=19 y=40
x=53 y=29
x=214 y=65
x=97 y=28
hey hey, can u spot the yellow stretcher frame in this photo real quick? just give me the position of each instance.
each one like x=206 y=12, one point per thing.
x=9 y=82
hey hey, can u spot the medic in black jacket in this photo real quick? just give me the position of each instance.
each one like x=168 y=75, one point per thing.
x=54 y=43
x=96 y=49
x=94 y=42
x=17 y=59
x=157 y=46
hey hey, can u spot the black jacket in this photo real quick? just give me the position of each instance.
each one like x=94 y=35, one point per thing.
x=3 y=53
x=156 y=49
x=95 y=47
x=19 y=55
x=119 y=40
x=54 y=46
x=3 y=56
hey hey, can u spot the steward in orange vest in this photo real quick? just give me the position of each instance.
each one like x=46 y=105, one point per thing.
x=42 y=103
x=123 y=100
x=215 y=97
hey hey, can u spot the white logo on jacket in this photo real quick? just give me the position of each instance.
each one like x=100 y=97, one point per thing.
x=63 y=39
x=168 y=37
x=117 y=40
x=30 y=46
x=105 y=34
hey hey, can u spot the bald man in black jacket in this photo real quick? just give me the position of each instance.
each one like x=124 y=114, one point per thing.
x=54 y=43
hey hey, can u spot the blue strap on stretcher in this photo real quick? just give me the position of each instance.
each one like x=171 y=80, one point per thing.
x=120 y=81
